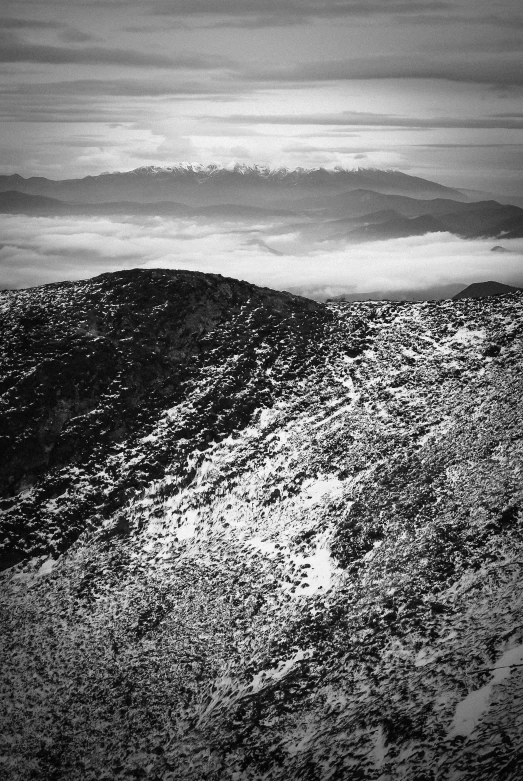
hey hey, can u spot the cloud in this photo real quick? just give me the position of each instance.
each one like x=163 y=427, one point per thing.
x=107 y=100
x=13 y=50
x=298 y=10
x=72 y=35
x=367 y=119
x=122 y=87
x=92 y=112
x=92 y=55
x=67 y=33
x=470 y=145
x=509 y=19
x=272 y=13
x=28 y=24
x=256 y=8
x=38 y=250
x=506 y=70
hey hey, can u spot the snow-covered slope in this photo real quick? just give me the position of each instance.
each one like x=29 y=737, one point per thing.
x=297 y=540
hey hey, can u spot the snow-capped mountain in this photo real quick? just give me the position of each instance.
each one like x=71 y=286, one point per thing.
x=249 y=536
x=214 y=169
x=198 y=184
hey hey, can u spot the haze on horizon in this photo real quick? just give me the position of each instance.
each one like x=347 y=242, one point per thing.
x=430 y=87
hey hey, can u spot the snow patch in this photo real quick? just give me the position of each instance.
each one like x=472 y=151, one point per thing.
x=466 y=336
x=187 y=528
x=314 y=490
x=261 y=679
x=264 y=546
x=470 y=710
x=317 y=569
x=379 y=749
x=46 y=567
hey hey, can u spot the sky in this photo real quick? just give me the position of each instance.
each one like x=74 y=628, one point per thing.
x=429 y=87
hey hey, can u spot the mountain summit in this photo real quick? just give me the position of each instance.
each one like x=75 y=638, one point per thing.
x=249 y=536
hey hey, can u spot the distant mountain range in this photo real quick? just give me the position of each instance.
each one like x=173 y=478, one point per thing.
x=244 y=185
x=319 y=205
x=15 y=202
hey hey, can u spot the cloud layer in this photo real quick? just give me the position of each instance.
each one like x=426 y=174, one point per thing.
x=38 y=250
x=14 y=49
x=368 y=119
x=504 y=69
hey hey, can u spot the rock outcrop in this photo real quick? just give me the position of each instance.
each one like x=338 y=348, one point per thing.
x=255 y=537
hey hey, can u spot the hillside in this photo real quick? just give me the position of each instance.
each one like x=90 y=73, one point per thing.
x=249 y=536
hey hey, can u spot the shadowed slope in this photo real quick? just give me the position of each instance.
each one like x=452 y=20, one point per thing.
x=88 y=366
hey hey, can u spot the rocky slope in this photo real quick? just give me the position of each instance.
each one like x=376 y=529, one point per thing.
x=255 y=537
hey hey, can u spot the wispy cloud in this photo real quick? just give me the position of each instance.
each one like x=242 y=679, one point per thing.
x=65 y=32
x=298 y=10
x=15 y=23
x=483 y=69
x=470 y=145
x=122 y=87
x=107 y=100
x=13 y=49
x=509 y=19
x=366 y=119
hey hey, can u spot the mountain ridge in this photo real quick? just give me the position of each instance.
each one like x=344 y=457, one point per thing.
x=197 y=182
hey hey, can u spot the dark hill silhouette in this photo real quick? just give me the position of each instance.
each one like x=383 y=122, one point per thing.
x=397 y=228
x=13 y=201
x=359 y=202
x=469 y=220
x=485 y=289
x=511 y=227
x=486 y=219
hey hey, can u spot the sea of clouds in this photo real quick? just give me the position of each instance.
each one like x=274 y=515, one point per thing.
x=39 y=250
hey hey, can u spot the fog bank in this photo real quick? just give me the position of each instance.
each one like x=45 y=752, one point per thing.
x=39 y=250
